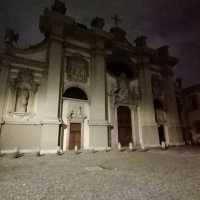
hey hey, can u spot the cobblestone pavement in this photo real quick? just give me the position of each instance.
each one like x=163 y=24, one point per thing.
x=159 y=175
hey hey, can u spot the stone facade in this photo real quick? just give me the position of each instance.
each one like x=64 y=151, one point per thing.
x=90 y=77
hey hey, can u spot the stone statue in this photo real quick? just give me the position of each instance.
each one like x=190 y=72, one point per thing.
x=161 y=116
x=135 y=92
x=98 y=23
x=24 y=86
x=11 y=37
x=160 y=113
x=22 y=100
x=59 y=7
x=157 y=87
x=122 y=92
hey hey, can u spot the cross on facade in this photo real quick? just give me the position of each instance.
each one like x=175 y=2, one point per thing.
x=116 y=20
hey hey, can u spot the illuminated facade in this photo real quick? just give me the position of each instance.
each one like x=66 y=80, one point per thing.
x=85 y=87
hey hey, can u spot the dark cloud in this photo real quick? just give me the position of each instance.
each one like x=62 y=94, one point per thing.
x=172 y=22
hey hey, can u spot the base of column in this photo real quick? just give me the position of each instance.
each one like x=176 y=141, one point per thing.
x=98 y=137
x=175 y=135
x=49 y=138
x=150 y=136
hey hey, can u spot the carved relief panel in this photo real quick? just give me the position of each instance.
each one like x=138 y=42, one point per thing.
x=125 y=91
x=76 y=111
x=77 y=69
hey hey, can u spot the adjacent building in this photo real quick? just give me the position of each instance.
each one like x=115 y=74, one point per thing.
x=190 y=113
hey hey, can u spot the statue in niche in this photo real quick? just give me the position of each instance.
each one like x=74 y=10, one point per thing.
x=24 y=87
x=160 y=112
x=157 y=87
x=122 y=92
x=136 y=93
x=77 y=70
x=159 y=100
x=22 y=100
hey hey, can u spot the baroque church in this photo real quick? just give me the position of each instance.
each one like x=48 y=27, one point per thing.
x=87 y=88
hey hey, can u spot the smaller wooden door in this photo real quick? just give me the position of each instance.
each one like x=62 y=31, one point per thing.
x=75 y=136
x=124 y=126
x=161 y=133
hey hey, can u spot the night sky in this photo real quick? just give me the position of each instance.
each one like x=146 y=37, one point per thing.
x=165 y=22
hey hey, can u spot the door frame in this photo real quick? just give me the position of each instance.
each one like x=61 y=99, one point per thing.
x=72 y=133
x=67 y=134
x=132 y=110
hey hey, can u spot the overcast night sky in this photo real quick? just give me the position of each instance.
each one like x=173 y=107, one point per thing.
x=165 y=22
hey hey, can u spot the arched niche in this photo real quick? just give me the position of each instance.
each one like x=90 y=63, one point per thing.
x=75 y=93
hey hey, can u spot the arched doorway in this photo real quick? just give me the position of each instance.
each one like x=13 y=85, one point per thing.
x=74 y=103
x=124 y=126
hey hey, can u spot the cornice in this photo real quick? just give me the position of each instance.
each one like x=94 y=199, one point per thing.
x=11 y=59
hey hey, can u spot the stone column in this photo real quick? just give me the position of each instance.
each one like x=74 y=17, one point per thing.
x=133 y=123
x=50 y=123
x=4 y=70
x=140 y=128
x=98 y=136
x=149 y=126
x=136 y=126
x=175 y=136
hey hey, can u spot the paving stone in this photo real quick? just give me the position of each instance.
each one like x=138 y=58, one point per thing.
x=168 y=175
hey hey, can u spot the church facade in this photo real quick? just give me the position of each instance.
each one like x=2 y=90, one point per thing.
x=85 y=88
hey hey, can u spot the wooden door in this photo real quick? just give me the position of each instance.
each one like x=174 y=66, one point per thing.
x=124 y=126
x=75 y=136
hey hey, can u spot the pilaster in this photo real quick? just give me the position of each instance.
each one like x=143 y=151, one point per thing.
x=50 y=122
x=4 y=71
x=175 y=135
x=98 y=138
x=149 y=127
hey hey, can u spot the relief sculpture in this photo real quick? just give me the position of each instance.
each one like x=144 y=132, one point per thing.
x=22 y=99
x=122 y=92
x=76 y=112
x=77 y=70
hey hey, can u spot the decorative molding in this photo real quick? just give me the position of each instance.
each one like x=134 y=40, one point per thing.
x=98 y=123
x=76 y=112
x=24 y=61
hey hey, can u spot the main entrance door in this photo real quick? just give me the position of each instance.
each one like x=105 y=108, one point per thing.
x=124 y=125
x=161 y=133
x=75 y=136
